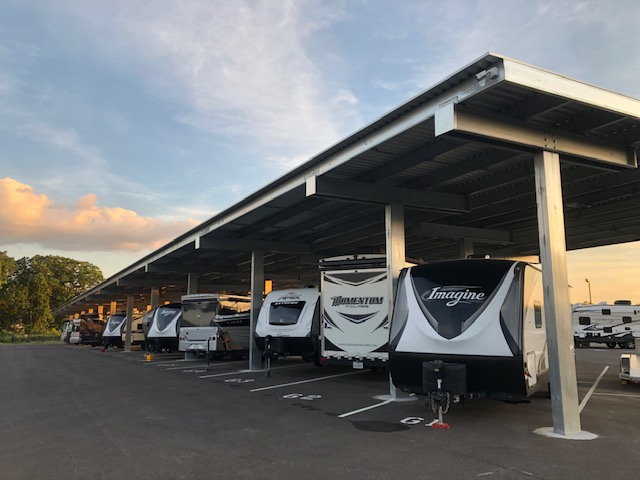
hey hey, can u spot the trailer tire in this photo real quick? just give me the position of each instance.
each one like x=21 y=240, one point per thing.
x=611 y=344
x=627 y=344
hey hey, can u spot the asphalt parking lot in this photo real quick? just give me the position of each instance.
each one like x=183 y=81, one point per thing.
x=76 y=412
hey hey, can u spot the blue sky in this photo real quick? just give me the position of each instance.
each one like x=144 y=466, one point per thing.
x=124 y=123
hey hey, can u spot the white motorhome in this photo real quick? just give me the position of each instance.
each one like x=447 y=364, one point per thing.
x=476 y=326
x=215 y=325
x=112 y=334
x=354 y=310
x=606 y=323
x=288 y=324
x=161 y=327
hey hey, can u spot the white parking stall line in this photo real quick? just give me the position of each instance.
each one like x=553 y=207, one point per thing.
x=250 y=371
x=370 y=407
x=306 y=381
x=591 y=390
x=629 y=395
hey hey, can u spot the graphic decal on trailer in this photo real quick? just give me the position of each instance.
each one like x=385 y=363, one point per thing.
x=355 y=312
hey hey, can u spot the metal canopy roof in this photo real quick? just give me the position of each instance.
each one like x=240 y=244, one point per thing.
x=459 y=157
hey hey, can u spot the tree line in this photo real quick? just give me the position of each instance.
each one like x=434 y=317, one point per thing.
x=32 y=288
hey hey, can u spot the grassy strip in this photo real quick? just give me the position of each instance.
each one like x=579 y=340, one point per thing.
x=21 y=338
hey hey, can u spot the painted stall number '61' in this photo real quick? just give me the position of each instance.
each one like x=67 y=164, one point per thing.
x=300 y=396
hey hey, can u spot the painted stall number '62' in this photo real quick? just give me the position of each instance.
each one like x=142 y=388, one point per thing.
x=300 y=396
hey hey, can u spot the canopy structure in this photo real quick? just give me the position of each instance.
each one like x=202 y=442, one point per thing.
x=500 y=158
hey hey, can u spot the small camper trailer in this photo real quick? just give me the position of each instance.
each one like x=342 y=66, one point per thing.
x=472 y=327
x=161 y=326
x=605 y=323
x=215 y=325
x=288 y=324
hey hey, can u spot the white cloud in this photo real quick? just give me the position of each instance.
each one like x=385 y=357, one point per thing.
x=28 y=217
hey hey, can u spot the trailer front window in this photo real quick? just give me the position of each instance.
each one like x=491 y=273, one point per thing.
x=285 y=313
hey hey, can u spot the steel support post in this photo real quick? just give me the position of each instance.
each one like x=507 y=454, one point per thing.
x=562 y=365
x=127 y=335
x=192 y=283
x=396 y=259
x=257 y=285
x=466 y=247
x=155 y=297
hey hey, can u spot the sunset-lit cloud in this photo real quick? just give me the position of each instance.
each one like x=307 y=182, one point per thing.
x=28 y=217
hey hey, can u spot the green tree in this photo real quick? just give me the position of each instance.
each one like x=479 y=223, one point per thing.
x=34 y=287
x=66 y=277
x=7 y=267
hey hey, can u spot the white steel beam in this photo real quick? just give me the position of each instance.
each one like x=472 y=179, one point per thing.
x=240 y=245
x=384 y=195
x=455 y=119
x=482 y=235
x=557 y=308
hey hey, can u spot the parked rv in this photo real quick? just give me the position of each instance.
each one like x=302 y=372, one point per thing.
x=87 y=330
x=112 y=334
x=288 y=324
x=215 y=325
x=161 y=327
x=67 y=326
x=469 y=328
x=354 y=310
x=605 y=323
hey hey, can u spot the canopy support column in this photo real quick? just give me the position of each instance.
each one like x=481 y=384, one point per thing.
x=192 y=283
x=155 y=297
x=127 y=335
x=257 y=285
x=553 y=254
x=396 y=260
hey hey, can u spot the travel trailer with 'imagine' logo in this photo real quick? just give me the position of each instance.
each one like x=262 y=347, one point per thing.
x=476 y=325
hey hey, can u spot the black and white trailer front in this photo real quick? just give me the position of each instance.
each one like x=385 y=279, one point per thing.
x=470 y=328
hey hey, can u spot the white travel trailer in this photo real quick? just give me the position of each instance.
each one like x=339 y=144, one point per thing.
x=288 y=324
x=483 y=319
x=112 y=334
x=354 y=310
x=605 y=323
x=161 y=327
x=215 y=325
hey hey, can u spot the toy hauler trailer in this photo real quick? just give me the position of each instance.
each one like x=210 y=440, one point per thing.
x=161 y=327
x=215 y=325
x=288 y=324
x=469 y=328
x=87 y=330
x=354 y=310
x=612 y=325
